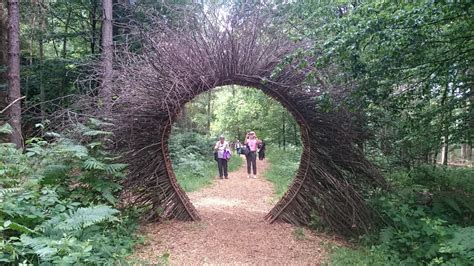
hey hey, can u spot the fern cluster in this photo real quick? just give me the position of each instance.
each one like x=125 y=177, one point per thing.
x=57 y=202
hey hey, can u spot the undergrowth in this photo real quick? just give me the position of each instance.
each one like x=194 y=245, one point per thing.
x=428 y=220
x=283 y=167
x=58 y=202
x=193 y=160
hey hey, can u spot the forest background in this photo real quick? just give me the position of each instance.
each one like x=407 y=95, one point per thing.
x=407 y=68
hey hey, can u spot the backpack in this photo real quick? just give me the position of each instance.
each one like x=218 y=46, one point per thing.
x=245 y=150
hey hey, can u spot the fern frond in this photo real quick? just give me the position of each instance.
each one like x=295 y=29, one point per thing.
x=40 y=245
x=97 y=133
x=93 y=164
x=13 y=190
x=114 y=168
x=18 y=227
x=6 y=129
x=95 y=144
x=99 y=123
x=84 y=217
x=77 y=151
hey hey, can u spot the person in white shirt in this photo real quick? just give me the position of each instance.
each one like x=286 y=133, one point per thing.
x=220 y=147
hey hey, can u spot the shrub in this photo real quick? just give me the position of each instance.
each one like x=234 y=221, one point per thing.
x=428 y=219
x=57 y=202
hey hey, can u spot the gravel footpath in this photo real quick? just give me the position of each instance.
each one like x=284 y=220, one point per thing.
x=232 y=230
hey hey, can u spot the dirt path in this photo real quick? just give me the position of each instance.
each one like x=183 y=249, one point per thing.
x=232 y=230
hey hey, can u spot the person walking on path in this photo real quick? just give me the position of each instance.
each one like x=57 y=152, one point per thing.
x=221 y=147
x=238 y=146
x=261 y=150
x=252 y=143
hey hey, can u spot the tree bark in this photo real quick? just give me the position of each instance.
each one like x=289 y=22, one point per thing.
x=14 y=71
x=93 y=22
x=283 y=120
x=42 y=29
x=3 y=58
x=468 y=152
x=209 y=99
x=107 y=55
x=295 y=134
x=443 y=124
x=444 y=153
x=33 y=7
x=64 y=53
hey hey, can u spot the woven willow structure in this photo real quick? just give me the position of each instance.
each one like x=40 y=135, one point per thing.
x=174 y=64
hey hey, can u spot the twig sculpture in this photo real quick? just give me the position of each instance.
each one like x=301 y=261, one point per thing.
x=162 y=67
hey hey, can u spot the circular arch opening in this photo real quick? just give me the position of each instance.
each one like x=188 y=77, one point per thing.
x=297 y=181
x=232 y=111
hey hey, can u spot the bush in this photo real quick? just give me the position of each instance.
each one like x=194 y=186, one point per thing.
x=57 y=203
x=428 y=219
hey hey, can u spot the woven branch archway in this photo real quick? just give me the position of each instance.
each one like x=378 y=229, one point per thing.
x=175 y=65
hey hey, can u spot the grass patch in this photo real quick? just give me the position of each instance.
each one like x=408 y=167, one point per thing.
x=299 y=234
x=198 y=173
x=283 y=167
x=360 y=257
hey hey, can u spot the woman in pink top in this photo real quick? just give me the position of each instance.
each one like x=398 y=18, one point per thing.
x=252 y=143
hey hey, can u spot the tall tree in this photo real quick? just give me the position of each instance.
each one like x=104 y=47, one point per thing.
x=14 y=71
x=107 y=54
x=3 y=56
x=209 y=100
x=42 y=31
x=93 y=24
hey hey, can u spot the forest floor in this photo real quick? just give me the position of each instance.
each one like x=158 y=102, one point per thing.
x=232 y=230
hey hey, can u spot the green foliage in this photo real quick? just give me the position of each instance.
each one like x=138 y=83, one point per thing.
x=299 y=234
x=409 y=65
x=232 y=110
x=57 y=203
x=240 y=109
x=283 y=167
x=6 y=129
x=425 y=219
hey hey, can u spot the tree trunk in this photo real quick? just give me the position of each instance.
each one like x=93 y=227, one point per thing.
x=64 y=53
x=209 y=98
x=435 y=158
x=295 y=134
x=14 y=71
x=283 y=129
x=3 y=60
x=444 y=152
x=463 y=151
x=33 y=6
x=93 y=22
x=107 y=55
x=443 y=124
x=42 y=29
x=468 y=152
